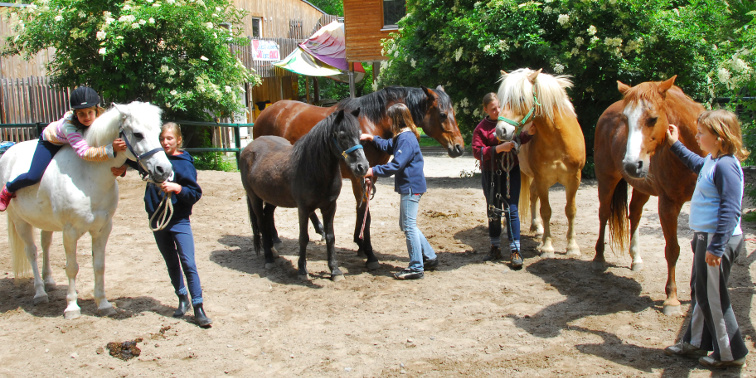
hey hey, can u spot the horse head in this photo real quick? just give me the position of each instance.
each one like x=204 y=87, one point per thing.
x=645 y=114
x=518 y=103
x=140 y=126
x=345 y=131
x=440 y=123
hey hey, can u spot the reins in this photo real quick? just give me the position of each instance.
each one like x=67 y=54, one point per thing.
x=367 y=186
x=165 y=207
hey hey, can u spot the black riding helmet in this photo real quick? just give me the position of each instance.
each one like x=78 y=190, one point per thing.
x=84 y=97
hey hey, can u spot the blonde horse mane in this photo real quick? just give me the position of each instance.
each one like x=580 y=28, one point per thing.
x=106 y=127
x=516 y=90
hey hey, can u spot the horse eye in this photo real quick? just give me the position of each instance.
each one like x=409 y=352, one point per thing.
x=139 y=136
x=444 y=116
x=652 y=121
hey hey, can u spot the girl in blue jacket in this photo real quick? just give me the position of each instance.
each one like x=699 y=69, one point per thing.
x=715 y=210
x=409 y=182
x=175 y=241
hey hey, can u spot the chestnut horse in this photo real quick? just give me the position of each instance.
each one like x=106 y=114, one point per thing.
x=431 y=110
x=556 y=153
x=630 y=147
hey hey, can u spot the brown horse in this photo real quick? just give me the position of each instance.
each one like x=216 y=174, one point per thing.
x=556 y=153
x=631 y=147
x=431 y=110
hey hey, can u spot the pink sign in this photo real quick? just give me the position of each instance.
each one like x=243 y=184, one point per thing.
x=265 y=51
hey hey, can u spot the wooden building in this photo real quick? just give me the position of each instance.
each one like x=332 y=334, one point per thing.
x=366 y=23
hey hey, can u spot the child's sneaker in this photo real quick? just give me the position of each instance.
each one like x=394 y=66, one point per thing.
x=408 y=274
x=516 y=259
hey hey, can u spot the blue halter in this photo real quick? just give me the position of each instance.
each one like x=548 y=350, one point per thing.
x=348 y=150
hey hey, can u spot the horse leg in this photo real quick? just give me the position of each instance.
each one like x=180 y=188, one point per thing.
x=274 y=243
x=637 y=202
x=669 y=210
x=547 y=246
x=46 y=241
x=26 y=233
x=570 y=209
x=606 y=188
x=265 y=221
x=317 y=225
x=277 y=243
x=70 y=239
x=536 y=223
x=304 y=239
x=328 y=214
x=365 y=245
x=99 y=241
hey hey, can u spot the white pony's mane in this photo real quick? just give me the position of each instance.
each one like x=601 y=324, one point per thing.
x=516 y=90
x=105 y=128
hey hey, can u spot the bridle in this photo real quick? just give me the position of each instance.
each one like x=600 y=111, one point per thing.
x=348 y=151
x=139 y=158
x=521 y=123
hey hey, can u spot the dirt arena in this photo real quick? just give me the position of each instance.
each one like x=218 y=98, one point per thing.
x=553 y=317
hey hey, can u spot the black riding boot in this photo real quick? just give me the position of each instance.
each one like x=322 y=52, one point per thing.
x=183 y=306
x=200 y=317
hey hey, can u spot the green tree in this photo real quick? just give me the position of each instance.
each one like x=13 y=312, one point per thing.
x=463 y=45
x=334 y=7
x=174 y=53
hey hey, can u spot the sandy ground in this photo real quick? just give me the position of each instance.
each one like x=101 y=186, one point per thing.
x=554 y=317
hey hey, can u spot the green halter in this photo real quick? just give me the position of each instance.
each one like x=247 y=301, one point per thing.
x=524 y=120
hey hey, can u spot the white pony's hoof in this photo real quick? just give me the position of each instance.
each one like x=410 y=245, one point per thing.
x=672 y=310
x=637 y=266
x=304 y=277
x=107 y=311
x=72 y=314
x=547 y=255
x=40 y=299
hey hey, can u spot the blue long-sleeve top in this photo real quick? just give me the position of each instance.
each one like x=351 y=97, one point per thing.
x=716 y=204
x=407 y=164
x=184 y=174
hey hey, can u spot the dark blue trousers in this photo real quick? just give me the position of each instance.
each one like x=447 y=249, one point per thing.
x=494 y=183
x=176 y=244
x=42 y=157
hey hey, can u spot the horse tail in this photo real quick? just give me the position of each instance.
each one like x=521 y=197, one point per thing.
x=524 y=205
x=618 y=217
x=21 y=265
x=255 y=227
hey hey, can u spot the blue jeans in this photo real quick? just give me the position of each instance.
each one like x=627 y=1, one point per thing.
x=176 y=244
x=512 y=217
x=417 y=244
x=42 y=157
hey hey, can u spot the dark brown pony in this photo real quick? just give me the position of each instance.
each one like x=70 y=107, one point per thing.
x=304 y=175
x=431 y=110
x=631 y=148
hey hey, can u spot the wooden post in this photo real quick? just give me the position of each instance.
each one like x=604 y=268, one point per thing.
x=351 y=80
x=316 y=97
x=307 y=90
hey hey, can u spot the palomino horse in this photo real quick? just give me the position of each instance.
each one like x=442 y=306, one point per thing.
x=77 y=196
x=631 y=147
x=304 y=175
x=556 y=153
x=431 y=110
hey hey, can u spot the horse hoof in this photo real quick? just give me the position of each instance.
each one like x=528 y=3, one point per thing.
x=372 y=265
x=547 y=254
x=108 y=311
x=599 y=266
x=636 y=267
x=670 y=310
x=304 y=277
x=269 y=265
x=72 y=314
x=50 y=286
x=574 y=254
x=361 y=253
x=41 y=299
x=337 y=277
x=274 y=252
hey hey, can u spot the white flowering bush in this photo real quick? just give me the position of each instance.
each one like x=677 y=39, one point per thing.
x=463 y=45
x=174 y=53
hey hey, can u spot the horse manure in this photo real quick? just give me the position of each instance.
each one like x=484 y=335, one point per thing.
x=124 y=350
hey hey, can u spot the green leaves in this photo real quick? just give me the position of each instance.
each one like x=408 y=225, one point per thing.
x=174 y=53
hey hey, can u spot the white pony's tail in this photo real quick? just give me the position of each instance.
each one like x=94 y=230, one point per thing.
x=21 y=265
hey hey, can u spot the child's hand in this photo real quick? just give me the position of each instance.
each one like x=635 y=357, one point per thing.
x=505 y=147
x=170 y=187
x=673 y=134
x=369 y=172
x=531 y=130
x=712 y=260
x=119 y=171
x=366 y=137
x=119 y=145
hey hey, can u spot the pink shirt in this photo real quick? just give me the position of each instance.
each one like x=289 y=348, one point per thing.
x=65 y=131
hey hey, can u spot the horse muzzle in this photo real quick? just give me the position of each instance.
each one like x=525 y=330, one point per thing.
x=455 y=150
x=636 y=168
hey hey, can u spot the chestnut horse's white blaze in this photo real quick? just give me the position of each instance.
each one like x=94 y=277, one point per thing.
x=77 y=196
x=634 y=161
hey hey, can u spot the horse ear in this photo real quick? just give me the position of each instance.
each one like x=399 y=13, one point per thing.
x=503 y=73
x=622 y=87
x=428 y=92
x=665 y=85
x=532 y=77
x=440 y=88
x=356 y=112
x=339 y=116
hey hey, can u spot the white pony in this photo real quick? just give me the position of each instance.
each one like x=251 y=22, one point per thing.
x=77 y=196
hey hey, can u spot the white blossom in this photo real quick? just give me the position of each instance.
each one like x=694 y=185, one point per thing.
x=103 y=51
x=169 y=80
x=204 y=58
x=227 y=89
x=82 y=14
x=558 y=68
x=724 y=75
x=142 y=22
x=739 y=65
x=592 y=30
x=563 y=19
x=135 y=26
x=174 y=92
x=151 y=20
x=101 y=35
x=209 y=25
x=58 y=18
x=164 y=68
x=458 y=54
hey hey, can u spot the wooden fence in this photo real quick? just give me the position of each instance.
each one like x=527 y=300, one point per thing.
x=29 y=100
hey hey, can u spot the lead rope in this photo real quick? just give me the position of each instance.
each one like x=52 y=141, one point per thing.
x=366 y=194
x=165 y=214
